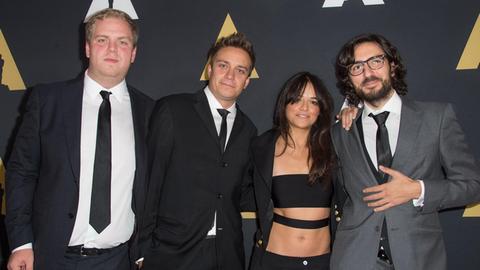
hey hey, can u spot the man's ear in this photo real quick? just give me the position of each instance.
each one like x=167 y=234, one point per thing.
x=87 y=49
x=209 y=69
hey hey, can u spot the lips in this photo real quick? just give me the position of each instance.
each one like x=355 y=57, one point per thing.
x=227 y=83
x=111 y=60
x=302 y=115
x=371 y=82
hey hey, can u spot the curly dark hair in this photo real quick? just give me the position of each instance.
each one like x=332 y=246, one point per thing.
x=319 y=142
x=346 y=57
x=237 y=40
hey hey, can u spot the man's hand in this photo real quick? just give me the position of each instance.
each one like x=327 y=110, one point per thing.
x=346 y=116
x=400 y=189
x=21 y=260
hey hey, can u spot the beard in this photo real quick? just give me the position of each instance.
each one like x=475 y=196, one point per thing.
x=374 y=96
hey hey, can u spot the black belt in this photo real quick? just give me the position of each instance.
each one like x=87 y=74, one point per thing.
x=83 y=251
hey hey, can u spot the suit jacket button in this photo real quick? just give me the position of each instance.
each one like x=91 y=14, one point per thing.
x=224 y=164
x=220 y=196
x=70 y=215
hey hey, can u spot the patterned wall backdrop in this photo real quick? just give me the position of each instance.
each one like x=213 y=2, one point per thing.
x=42 y=41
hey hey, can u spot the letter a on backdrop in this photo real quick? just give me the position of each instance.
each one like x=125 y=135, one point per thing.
x=472 y=211
x=123 y=5
x=228 y=28
x=471 y=54
x=11 y=76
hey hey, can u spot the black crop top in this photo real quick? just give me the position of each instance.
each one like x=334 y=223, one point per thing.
x=293 y=190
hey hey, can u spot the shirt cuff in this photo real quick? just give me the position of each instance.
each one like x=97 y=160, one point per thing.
x=139 y=260
x=26 y=246
x=419 y=202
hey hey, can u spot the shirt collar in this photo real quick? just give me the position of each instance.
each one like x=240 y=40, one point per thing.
x=93 y=88
x=214 y=104
x=393 y=105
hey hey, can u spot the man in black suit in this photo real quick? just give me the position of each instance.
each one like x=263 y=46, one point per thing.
x=198 y=159
x=78 y=154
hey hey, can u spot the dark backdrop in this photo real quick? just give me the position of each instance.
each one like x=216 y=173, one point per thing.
x=42 y=42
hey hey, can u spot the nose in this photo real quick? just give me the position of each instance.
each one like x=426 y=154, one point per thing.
x=367 y=71
x=303 y=105
x=230 y=73
x=112 y=46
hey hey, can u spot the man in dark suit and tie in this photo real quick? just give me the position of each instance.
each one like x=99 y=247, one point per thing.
x=400 y=163
x=78 y=155
x=198 y=151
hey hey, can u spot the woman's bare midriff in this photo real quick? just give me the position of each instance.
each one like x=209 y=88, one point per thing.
x=295 y=242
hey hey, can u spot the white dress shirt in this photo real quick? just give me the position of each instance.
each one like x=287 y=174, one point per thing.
x=394 y=106
x=123 y=168
x=122 y=222
x=217 y=118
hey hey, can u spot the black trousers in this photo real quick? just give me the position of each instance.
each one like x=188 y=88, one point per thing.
x=272 y=261
x=205 y=258
x=116 y=259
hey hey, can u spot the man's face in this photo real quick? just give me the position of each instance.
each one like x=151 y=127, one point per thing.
x=229 y=74
x=372 y=86
x=110 y=51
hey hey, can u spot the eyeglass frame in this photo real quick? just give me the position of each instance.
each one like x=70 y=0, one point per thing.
x=380 y=56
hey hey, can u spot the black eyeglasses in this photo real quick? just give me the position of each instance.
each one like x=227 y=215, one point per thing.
x=374 y=62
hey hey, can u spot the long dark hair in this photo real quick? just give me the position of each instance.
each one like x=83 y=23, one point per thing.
x=346 y=57
x=319 y=141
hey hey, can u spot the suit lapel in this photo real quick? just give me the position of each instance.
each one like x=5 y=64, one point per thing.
x=205 y=114
x=139 y=130
x=138 y=116
x=71 y=106
x=264 y=156
x=355 y=149
x=408 y=133
x=236 y=129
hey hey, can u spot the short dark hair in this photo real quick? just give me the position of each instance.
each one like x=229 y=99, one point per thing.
x=237 y=40
x=110 y=13
x=320 y=146
x=346 y=57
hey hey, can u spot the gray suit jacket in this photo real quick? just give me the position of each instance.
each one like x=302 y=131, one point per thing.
x=431 y=146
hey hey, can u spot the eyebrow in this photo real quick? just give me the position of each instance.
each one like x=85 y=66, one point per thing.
x=107 y=36
x=227 y=62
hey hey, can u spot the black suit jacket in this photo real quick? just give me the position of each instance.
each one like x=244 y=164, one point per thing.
x=43 y=171
x=190 y=179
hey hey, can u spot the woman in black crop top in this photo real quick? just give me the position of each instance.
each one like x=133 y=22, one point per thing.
x=292 y=171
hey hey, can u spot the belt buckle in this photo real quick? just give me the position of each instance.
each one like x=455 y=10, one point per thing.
x=83 y=252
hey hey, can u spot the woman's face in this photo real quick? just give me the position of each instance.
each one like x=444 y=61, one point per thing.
x=304 y=111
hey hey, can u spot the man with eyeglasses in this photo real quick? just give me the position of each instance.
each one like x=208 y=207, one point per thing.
x=399 y=164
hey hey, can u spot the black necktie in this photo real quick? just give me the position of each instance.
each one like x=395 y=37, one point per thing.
x=222 y=137
x=102 y=168
x=384 y=158
x=384 y=155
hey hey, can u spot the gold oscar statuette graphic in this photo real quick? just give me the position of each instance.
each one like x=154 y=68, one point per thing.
x=472 y=211
x=11 y=76
x=228 y=28
x=470 y=58
x=2 y=186
x=249 y=215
